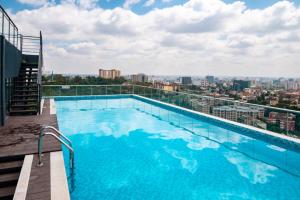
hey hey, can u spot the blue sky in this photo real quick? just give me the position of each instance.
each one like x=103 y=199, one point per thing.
x=139 y=8
x=202 y=37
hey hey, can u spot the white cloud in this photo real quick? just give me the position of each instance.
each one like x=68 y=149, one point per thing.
x=149 y=3
x=128 y=3
x=34 y=2
x=88 y=4
x=197 y=38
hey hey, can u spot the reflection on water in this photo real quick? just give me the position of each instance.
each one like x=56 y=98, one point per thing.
x=254 y=171
x=149 y=141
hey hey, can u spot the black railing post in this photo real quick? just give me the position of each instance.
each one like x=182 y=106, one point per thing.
x=21 y=43
x=8 y=30
x=2 y=81
x=2 y=22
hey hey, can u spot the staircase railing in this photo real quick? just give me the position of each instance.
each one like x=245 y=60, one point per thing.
x=32 y=45
x=8 y=28
x=40 y=68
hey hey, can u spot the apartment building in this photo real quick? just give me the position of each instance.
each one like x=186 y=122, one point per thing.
x=109 y=74
x=243 y=114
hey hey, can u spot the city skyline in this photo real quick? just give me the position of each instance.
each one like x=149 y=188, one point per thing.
x=178 y=38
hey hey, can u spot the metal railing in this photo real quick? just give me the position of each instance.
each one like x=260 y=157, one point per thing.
x=40 y=69
x=58 y=135
x=8 y=28
x=279 y=120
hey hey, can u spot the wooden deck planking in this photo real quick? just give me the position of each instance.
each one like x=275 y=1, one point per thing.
x=19 y=136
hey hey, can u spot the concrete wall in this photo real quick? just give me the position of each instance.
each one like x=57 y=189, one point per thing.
x=13 y=58
x=10 y=63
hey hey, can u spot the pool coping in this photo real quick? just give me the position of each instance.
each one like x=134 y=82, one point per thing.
x=22 y=185
x=58 y=177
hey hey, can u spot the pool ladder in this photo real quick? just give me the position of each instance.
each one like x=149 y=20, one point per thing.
x=58 y=136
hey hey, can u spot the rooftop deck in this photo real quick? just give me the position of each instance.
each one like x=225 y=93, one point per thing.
x=19 y=137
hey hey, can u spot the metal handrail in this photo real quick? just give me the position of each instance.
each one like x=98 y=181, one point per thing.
x=6 y=15
x=58 y=132
x=12 y=29
x=40 y=68
x=41 y=141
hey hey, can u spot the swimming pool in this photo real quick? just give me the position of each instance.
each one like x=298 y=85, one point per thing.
x=129 y=147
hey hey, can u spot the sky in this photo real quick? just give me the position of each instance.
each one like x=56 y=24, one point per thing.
x=165 y=37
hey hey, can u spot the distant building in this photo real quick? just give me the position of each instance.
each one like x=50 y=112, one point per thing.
x=210 y=79
x=240 y=85
x=291 y=84
x=142 y=78
x=285 y=121
x=186 y=80
x=166 y=86
x=200 y=106
x=242 y=114
x=109 y=74
x=273 y=101
x=203 y=83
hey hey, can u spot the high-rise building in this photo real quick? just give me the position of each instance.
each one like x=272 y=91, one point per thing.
x=210 y=79
x=186 y=80
x=142 y=78
x=240 y=85
x=291 y=85
x=109 y=74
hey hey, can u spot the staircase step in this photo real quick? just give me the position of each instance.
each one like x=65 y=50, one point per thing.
x=25 y=74
x=11 y=158
x=29 y=64
x=26 y=78
x=9 y=179
x=24 y=106
x=23 y=100
x=7 y=193
x=26 y=69
x=11 y=166
x=26 y=90
x=25 y=95
x=24 y=81
x=25 y=86
x=23 y=112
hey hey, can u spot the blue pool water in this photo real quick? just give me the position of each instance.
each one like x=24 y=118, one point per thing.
x=126 y=148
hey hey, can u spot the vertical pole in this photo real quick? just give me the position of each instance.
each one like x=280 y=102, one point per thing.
x=2 y=81
x=14 y=36
x=133 y=89
x=106 y=95
x=287 y=124
x=8 y=30
x=3 y=23
x=17 y=39
x=21 y=43
x=76 y=90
